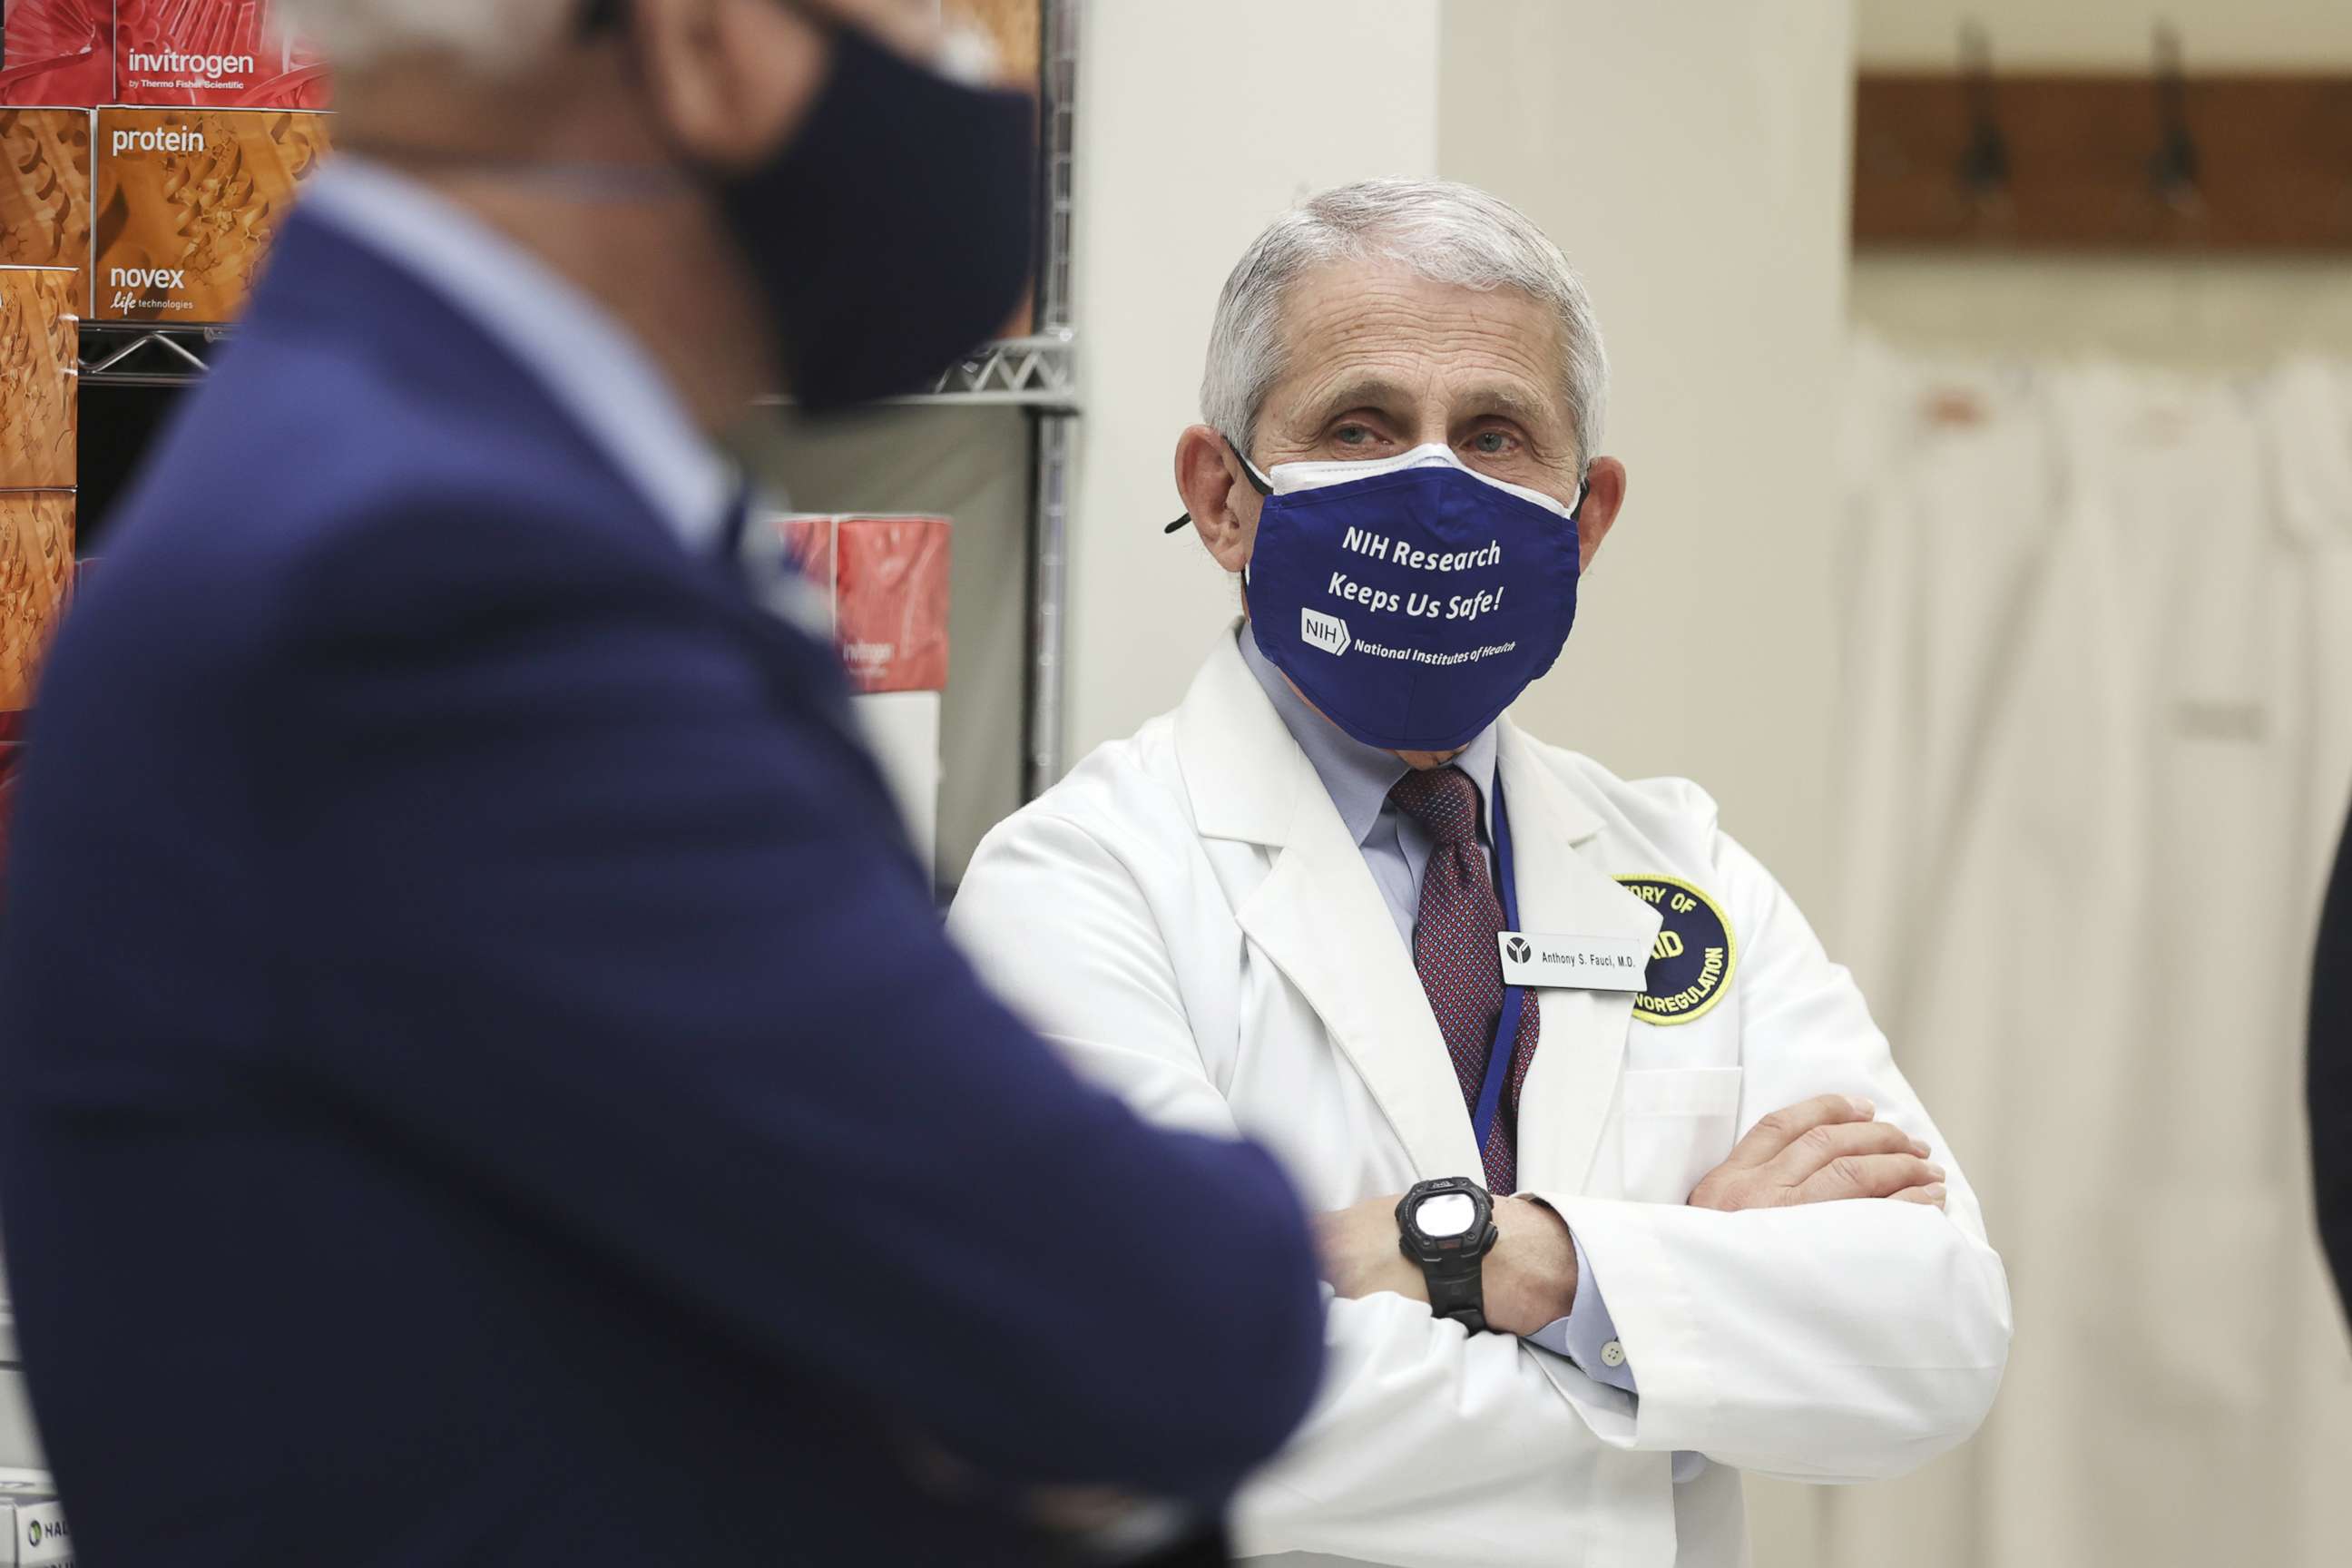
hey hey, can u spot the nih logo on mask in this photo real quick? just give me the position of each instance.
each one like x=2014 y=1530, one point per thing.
x=1329 y=633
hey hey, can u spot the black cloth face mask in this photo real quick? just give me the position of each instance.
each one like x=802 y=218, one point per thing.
x=896 y=230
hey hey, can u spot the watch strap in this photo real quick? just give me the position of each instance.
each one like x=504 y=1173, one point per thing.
x=1455 y=1272
x=1457 y=1288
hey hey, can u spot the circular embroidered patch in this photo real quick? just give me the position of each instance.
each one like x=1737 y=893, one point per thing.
x=1691 y=961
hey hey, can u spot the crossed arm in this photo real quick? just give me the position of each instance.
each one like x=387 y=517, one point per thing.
x=1828 y=1149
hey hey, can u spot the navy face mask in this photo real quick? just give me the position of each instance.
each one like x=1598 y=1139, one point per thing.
x=895 y=232
x=1411 y=600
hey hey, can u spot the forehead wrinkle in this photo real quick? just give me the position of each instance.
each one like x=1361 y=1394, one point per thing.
x=1376 y=337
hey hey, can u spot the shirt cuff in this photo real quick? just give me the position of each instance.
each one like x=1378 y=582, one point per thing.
x=1588 y=1335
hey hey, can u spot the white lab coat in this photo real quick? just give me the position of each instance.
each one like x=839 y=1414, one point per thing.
x=1187 y=916
x=2096 y=757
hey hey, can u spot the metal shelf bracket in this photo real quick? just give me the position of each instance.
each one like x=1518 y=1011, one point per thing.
x=137 y=354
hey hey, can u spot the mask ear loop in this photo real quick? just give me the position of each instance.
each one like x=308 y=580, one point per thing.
x=1258 y=483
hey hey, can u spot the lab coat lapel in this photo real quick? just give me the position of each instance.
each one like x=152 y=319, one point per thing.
x=1318 y=915
x=1565 y=889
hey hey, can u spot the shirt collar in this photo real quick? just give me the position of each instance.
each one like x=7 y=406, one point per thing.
x=1358 y=777
x=589 y=363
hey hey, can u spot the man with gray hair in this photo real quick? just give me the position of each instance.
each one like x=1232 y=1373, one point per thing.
x=481 y=1078
x=1622 y=1193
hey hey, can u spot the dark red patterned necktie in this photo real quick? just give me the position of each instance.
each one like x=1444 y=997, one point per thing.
x=1453 y=948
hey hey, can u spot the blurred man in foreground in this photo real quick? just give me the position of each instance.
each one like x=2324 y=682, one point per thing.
x=484 y=1079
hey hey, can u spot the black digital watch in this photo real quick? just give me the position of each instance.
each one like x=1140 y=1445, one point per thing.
x=1448 y=1228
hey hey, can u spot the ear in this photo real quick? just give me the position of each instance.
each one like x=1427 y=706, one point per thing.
x=731 y=80
x=1602 y=504
x=1223 y=503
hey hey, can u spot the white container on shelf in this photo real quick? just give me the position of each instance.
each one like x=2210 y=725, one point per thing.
x=33 y=1531
x=903 y=730
x=20 y=1447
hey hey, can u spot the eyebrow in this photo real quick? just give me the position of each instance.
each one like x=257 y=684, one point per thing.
x=1489 y=397
x=1503 y=398
x=1367 y=392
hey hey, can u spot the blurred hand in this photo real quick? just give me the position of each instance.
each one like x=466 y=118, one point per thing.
x=1058 y=1511
x=1818 y=1152
x=1530 y=1277
x=1077 y=1510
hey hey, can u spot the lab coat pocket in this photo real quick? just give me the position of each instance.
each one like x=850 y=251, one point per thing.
x=1678 y=1125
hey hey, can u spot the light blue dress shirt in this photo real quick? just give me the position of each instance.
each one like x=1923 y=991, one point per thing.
x=1396 y=850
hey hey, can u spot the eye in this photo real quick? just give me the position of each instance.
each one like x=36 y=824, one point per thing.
x=1352 y=434
x=1495 y=444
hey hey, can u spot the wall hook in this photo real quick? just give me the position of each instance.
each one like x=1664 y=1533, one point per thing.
x=1984 y=161
x=2172 y=171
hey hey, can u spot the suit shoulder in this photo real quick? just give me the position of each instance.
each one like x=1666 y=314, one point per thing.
x=361 y=492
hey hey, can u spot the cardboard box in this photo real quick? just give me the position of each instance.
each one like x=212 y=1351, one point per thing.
x=188 y=201
x=40 y=339
x=888 y=581
x=45 y=214
x=57 y=51
x=36 y=534
x=217 y=53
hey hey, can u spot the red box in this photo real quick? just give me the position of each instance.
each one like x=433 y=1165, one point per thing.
x=57 y=52
x=888 y=581
x=212 y=53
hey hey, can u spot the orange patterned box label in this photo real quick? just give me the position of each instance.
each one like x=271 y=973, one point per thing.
x=44 y=216
x=36 y=549
x=188 y=201
x=40 y=341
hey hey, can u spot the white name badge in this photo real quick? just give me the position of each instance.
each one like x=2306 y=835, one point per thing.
x=1574 y=962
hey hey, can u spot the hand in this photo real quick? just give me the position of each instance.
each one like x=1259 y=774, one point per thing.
x=1529 y=1278
x=1821 y=1150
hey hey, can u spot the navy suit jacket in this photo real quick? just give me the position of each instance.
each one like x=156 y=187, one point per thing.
x=2328 y=1087
x=481 y=1080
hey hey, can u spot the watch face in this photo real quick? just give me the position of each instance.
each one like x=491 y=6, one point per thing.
x=1448 y=1214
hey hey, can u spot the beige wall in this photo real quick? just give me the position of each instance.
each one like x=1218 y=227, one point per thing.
x=2190 y=313
x=1198 y=124
x=2106 y=35
x=1690 y=159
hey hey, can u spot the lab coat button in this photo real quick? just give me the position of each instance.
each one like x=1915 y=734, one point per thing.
x=1613 y=1355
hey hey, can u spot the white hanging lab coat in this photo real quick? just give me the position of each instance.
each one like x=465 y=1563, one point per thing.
x=2096 y=687
x=1187 y=916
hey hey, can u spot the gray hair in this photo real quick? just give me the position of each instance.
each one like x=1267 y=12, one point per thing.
x=1442 y=230
x=488 y=35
